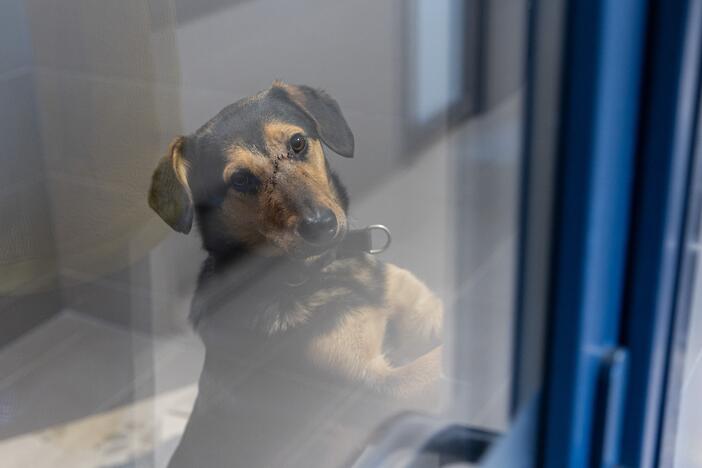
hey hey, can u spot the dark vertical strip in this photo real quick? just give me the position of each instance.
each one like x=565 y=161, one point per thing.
x=668 y=124
x=601 y=92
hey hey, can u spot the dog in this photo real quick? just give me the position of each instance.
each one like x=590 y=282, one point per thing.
x=308 y=345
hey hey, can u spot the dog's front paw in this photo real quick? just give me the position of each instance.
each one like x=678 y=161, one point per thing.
x=433 y=321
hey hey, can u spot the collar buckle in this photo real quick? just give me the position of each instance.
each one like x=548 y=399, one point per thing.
x=361 y=240
x=388 y=238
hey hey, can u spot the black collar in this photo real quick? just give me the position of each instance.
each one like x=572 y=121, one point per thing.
x=356 y=242
x=361 y=240
x=220 y=279
x=217 y=286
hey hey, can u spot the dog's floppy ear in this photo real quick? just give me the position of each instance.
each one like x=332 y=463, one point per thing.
x=324 y=110
x=170 y=195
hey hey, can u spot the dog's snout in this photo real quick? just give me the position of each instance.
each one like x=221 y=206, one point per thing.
x=318 y=227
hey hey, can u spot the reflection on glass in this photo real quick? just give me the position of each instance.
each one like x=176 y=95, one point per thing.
x=683 y=413
x=438 y=27
x=294 y=344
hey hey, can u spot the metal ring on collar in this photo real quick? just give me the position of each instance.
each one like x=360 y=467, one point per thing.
x=385 y=246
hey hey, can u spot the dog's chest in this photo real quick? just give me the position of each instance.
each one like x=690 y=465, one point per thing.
x=268 y=313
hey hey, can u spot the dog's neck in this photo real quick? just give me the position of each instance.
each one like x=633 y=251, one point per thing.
x=239 y=268
x=246 y=276
x=292 y=271
x=237 y=256
x=235 y=270
x=229 y=256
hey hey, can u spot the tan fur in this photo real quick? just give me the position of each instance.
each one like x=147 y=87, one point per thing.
x=292 y=91
x=418 y=312
x=354 y=347
x=270 y=216
x=240 y=157
x=180 y=165
x=170 y=195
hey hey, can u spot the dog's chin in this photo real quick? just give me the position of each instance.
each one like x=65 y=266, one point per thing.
x=311 y=254
x=315 y=256
x=305 y=254
x=320 y=260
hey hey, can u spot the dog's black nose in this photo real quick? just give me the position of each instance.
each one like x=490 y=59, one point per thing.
x=319 y=227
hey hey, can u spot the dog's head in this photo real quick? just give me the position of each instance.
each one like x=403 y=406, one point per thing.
x=256 y=177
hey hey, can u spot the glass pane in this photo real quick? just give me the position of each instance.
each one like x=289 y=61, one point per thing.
x=269 y=335
x=683 y=413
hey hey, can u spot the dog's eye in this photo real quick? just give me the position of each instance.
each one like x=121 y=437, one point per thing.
x=244 y=181
x=298 y=143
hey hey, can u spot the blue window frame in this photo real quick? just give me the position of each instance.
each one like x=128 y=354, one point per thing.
x=604 y=52
x=667 y=133
x=629 y=114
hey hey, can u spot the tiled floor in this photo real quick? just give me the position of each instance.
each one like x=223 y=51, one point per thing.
x=86 y=393
x=143 y=433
